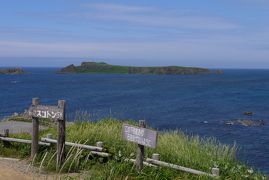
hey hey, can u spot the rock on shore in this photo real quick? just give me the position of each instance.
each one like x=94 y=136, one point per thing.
x=246 y=122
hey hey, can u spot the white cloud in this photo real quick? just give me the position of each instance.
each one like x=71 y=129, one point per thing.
x=119 y=8
x=193 y=22
x=189 y=52
x=165 y=37
x=151 y=17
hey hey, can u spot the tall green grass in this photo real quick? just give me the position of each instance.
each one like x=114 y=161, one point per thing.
x=173 y=147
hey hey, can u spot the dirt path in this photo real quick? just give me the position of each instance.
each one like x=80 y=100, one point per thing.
x=9 y=173
x=15 y=169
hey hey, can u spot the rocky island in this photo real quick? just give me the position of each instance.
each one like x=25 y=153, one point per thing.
x=101 y=67
x=12 y=71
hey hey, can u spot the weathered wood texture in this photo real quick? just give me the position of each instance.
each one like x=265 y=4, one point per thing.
x=49 y=112
x=61 y=135
x=35 y=121
x=140 y=150
x=6 y=134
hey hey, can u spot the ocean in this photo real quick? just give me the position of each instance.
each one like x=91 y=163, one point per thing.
x=196 y=104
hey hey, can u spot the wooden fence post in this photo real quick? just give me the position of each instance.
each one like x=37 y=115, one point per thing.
x=140 y=150
x=6 y=134
x=156 y=156
x=61 y=136
x=35 y=121
x=99 y=144
x=215 y=172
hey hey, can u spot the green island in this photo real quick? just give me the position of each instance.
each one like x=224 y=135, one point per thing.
x=101 y=67
x=173 y=146
x=12 y=71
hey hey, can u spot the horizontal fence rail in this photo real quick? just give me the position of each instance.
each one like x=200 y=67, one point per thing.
x=82 y=146
x=25 y=141
x=155 y=160
x=94 y=150
x=145 y=163
x=102 y=154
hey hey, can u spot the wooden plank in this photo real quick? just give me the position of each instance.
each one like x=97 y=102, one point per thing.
x=49 y=112
x=139 y=135
x=25 y=141
x=140 y=148
x=61 y=134
x=35 y=130
x=177 y=167
x=82 y=146
x=6 y=134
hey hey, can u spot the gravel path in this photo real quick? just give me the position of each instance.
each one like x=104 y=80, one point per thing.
x=18 y=127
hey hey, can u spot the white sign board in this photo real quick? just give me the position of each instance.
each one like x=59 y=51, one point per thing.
x=142 y=136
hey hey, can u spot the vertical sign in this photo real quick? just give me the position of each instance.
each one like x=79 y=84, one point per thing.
x=49 y=112
x=141 y=136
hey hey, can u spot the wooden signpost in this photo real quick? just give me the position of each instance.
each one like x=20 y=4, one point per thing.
x=49 y=112
x=141 y=136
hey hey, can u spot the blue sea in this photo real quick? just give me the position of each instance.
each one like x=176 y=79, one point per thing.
x=196 y=104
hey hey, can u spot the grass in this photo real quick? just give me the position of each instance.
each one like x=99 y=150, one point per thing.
x=173 y=147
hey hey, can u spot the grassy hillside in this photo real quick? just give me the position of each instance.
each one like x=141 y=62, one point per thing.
x=173 y=146
x=101 y=67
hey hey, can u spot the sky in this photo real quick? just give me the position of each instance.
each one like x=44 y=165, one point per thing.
x=208 y=33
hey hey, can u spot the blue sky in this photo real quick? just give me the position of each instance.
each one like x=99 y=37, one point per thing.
x=208 y=33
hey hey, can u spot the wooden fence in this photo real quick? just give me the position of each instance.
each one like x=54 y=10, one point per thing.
x=140 y=135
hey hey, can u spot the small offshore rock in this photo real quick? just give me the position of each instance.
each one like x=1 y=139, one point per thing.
x=219 y=71
x=229 y=123
x=246 y=122
x=12 y=71
x=248 y=113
